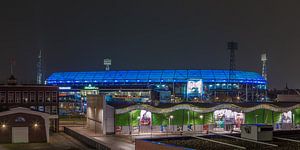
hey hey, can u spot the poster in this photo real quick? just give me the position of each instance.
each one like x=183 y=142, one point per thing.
x=194 y=87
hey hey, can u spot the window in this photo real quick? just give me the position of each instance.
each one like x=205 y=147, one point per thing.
x=48 y=96
x=11 y=97
x=47 y=109
x=41 y=97
x=54 y=110
x=2 y=97
x=18 y=97
x=54 y=97
x=25 y=97
x=32 y=97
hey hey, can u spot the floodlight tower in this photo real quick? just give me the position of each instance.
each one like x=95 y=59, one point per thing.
x=264 y=65
x=39 y=69
x=107 y=63
x=232 y=47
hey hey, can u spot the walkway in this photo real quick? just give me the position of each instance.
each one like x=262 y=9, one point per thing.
x=111 y=141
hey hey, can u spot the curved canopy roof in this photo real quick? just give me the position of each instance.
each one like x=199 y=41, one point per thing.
x=210 y=107
x=145 y=76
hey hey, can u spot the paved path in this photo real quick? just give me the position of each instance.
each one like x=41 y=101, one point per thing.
x=112 y=141
x=3 y=148
x=58 y=141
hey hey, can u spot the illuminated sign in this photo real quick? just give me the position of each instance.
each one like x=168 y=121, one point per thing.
x=64 y=88
x=20 y=119
x=90 y=87
x=194 y=87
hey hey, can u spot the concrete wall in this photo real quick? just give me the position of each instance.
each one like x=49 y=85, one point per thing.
x=109 y=118
x=95 y=113
x=100 y=117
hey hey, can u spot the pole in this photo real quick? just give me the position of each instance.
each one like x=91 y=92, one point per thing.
x=169 y=124
x=173 y=91
x=194 y=121
x=188 y=117
x=246 y=92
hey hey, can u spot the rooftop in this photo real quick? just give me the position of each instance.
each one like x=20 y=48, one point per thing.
x=154 y=76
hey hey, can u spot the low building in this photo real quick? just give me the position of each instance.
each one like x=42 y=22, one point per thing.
x=27 y=112
x=165 y=118
x=22 y=125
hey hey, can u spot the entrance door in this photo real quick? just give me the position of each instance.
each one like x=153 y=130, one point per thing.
x=19 y=134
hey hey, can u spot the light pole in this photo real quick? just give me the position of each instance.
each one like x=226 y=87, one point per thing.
x=201 y=117
x=293 y=120
x=256 y=119
x=138 y=119
x=170 y=119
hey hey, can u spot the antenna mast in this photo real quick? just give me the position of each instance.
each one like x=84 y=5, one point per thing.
x=39 y=74
x=232 y=47
x=264 y=65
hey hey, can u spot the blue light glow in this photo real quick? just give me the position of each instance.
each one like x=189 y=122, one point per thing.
x=154 y=76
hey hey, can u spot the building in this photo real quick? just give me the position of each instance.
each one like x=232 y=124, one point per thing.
x=100 y=116
x=138 y=119
x=157 y=85
x=199 y=117
x=27 y=112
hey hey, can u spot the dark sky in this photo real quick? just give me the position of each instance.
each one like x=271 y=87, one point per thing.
x=77 y=35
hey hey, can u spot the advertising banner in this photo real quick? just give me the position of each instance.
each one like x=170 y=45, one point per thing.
x=194 y=88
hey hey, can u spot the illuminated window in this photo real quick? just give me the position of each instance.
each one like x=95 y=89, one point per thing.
x=25 y=97
x=48 y=96
x=18 y=97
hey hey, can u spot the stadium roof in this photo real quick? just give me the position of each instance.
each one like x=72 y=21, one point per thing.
x=153 y=76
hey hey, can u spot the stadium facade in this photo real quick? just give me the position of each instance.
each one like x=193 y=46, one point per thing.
x=162 y=86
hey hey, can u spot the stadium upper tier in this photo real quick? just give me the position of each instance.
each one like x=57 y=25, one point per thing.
x=154 y=76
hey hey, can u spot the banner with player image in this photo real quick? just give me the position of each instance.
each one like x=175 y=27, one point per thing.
x=194 y=88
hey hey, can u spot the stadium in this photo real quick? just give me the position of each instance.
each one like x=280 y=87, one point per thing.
x=158 y=85
x=163 y=101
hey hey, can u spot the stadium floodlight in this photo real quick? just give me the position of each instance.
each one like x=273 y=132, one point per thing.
x=107 y=63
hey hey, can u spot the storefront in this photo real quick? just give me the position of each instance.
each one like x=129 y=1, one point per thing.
x=140 y=119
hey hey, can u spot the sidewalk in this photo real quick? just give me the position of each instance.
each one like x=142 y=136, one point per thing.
x=111 y=141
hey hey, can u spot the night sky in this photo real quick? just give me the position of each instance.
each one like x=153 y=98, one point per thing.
x=77 y=35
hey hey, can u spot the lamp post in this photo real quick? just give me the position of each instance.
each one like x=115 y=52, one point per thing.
x=95 y=111
x=256 y=119
x=138 y=119
x=293 y=120
x=201 y=117
x=170 y=120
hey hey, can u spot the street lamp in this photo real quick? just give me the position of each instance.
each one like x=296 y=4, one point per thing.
x=170 y=119
x=256 y=118
x=138 y=119
x=201 y=117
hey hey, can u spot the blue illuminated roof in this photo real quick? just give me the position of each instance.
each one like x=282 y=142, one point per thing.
x=154 y=76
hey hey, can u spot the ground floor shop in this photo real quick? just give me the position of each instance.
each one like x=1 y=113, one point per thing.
x=139 y=119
